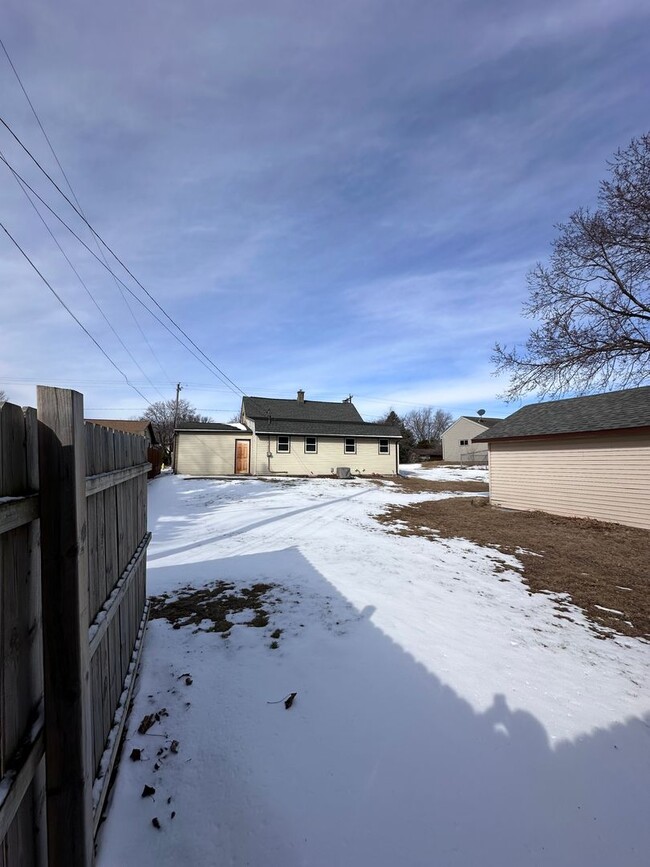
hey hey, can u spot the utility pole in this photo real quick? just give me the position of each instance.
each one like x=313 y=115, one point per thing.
x=173 y=441
x=178 y=393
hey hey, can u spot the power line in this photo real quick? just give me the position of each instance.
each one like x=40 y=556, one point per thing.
x=83 y=283
x=117 y=258
x=107 y=267
x=101 y=383
x=74 y=195
x=65 y=306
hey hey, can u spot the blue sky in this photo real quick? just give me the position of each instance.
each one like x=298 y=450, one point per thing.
x=342 y=197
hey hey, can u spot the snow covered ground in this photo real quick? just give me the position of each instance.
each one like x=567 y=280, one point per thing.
x=444 y=716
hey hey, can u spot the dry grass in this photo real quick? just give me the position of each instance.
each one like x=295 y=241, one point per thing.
x=414 y=485
x=597 y=564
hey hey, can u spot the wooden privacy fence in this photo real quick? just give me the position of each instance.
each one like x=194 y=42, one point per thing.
x=73 y=539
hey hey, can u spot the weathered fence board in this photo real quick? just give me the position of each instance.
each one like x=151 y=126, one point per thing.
x=76 y=538
x=65 y=581
x=22 y=831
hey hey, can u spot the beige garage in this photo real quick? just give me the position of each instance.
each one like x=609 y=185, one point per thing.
x=211 y=449
x=585 y=457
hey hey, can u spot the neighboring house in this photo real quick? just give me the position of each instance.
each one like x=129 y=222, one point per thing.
x=586 y=457
x=288 y=437
x=458 y=444
x=142 y=428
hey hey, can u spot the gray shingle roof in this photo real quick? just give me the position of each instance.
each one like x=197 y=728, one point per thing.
x=614 y=410
x=312 y=417
x=327 y=428
x=209 y=426
x=292 y=410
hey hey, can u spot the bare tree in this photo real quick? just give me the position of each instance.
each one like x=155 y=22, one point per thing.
x=162 y=414
x=593 y=296
x=427 y=424
x=3 y=396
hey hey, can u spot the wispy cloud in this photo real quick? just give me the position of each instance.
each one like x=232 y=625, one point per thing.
x=343 y=197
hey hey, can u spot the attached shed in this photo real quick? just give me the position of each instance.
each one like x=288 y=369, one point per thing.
x=212 y=449
x=586 y=457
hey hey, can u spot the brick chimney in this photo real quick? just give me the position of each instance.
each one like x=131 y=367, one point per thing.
x=301 y=396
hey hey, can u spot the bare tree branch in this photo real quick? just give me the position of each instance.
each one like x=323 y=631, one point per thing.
x=592 y=299
x=161 y=415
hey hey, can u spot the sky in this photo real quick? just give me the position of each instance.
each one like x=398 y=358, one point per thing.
x=340 y=197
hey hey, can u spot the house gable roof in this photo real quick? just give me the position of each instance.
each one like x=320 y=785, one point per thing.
x=475 y=419
x=293 y=410
x=614 y=410
x=312 y=417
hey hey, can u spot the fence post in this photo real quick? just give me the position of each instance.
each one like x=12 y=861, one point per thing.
x=61 y=446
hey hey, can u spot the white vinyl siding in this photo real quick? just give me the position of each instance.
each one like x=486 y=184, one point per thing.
x=213 y=454
x=331 y=455
x=606 y=477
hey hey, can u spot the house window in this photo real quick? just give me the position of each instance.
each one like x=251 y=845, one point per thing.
x=384 y=448
x=311 y=445
x=284 y=444
x=350 y=446
x=464 y=442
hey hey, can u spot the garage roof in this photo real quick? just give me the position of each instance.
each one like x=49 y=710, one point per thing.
x=614 y=410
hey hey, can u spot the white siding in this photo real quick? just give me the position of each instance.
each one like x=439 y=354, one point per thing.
x=463 y=429
x=207 y=454
x=605 y=477
x=213 y=454
x=330 y=455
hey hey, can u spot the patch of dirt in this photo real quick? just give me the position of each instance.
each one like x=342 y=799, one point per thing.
x=215 y=602
x=412 y=484
x=600 y=566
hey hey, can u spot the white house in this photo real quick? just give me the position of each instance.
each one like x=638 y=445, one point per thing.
x=288 y=437
x=586 y=457
x=458 y=444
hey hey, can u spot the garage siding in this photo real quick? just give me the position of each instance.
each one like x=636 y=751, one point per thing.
x=207 y=454
x=602 y=477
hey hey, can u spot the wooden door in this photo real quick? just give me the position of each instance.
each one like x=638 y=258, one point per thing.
x=242 y=456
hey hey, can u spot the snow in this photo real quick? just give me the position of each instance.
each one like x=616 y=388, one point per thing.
x=443 y=715
x=446 y=473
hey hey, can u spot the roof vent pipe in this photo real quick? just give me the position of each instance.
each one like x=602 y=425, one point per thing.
x=301 y=396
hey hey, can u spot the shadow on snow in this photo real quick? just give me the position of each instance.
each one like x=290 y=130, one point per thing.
x=380 y=763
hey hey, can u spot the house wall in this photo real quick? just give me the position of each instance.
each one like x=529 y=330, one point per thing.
x=463 y=429
x=208 y=454
x=330 y=455
x=213 y=454
x=606 y=477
